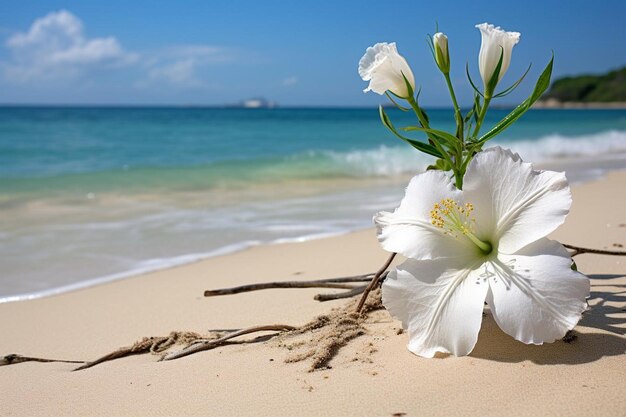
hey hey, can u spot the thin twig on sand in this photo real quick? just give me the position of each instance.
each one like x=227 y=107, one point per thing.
x=579 y=251
x=346 y=294
x=145 y=345
x=374 y=281
x=268 y=285
x=13 y=359
x=200 y=345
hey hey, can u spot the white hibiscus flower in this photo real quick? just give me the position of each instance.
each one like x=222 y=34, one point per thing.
x=484 y=243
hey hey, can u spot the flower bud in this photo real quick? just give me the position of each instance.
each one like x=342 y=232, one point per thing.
x=440 y=43
x=495 y=42
x=386 y=70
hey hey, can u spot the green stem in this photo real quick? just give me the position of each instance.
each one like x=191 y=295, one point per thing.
x=458 y=159
x=457 y=109
x=419 y=113
x=481 y=115
x=458 y=175
x=458 y=179
x=434 y=140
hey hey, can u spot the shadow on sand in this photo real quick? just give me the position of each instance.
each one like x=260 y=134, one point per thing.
x=608 y=314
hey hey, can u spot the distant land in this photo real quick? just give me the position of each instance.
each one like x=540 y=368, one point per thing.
x=255 y=103
x=587 y=91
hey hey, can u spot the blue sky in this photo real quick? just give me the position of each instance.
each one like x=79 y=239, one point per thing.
x=293 y=52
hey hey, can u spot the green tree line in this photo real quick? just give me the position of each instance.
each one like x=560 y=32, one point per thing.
x=608 y=87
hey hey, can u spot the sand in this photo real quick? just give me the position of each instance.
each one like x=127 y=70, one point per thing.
x=373 y=376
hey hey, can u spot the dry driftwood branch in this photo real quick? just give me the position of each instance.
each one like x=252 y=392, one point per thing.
x=145 y=345
x=579 y=251
x=201 y=345
x=346 y=294
x=120 y=353
x=341 y=283
x=268 y=285
x=13 y=359
x=374 y=282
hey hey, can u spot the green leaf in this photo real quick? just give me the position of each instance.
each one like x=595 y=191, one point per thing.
x=439 y=165
x=431 y=45
x=495 y=77
x=443 y=165
x=514 y=86
x=542 y=85
x=543 y=82
x=469 y=77
x=476 y=107
x=447 y=137
x=409 y=87
x=425 y=115
x=468 y=129
x=417 y=95
x=420 y=146
x=395 y=103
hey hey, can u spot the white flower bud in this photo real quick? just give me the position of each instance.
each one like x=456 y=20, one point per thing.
x=440 y=43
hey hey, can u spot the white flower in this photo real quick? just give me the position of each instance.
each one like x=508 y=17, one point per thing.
x=383 y=67
x=442 y=56
x=485 y=243
x=494 y=42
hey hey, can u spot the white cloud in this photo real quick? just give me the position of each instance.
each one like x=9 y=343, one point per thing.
x=180 y=65
x=55 y=46
x=290 y=81
x=180 y=73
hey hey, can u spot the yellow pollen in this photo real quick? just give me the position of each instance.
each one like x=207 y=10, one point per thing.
x=452 y=216
x=455 y=220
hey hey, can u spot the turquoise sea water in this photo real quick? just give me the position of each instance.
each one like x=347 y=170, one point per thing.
x=98 y=193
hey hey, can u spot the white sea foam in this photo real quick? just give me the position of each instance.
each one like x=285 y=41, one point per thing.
x=553 y=147
x=142 y=267
x=156 y=264
x=381 y=161
x=398 y=160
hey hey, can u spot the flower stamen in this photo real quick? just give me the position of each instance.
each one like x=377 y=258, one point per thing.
x=455 y=220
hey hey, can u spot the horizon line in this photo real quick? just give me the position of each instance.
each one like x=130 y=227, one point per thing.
x=226 y=106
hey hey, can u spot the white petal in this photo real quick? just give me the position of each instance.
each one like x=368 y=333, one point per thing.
x=408 y=230
x=515 y=205
x=509 y=41
x=534 y=295
x=440 y=43
x=439 y=303
x=441 y=40
x=373 y=56
x=385 y=77
x=402 y=67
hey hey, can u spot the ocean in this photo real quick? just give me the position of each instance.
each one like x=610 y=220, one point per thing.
x=93 y=194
